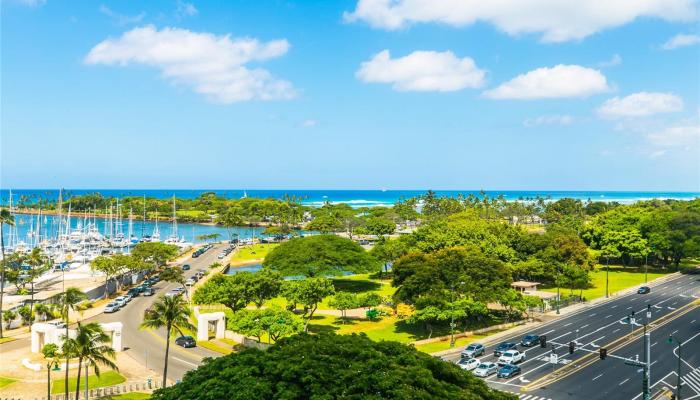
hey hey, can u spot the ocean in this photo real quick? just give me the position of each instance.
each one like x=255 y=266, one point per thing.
x=355 y=198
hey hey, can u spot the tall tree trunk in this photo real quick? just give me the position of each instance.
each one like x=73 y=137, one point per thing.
x=167 y=350
x=311 y=314
x=67 y=356
x=77 y=382
x=31 y=305
x=48 y=380
x=2 y=275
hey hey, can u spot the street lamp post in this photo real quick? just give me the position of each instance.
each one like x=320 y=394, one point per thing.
x=607 y=280
x=671 y=338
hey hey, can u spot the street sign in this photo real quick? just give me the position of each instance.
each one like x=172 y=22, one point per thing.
x=553 y=358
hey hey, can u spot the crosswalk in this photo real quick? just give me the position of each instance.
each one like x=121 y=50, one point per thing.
x=532 y=397
x=692 y=380
x=525 y=396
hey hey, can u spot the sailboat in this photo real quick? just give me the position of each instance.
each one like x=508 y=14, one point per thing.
x=173 y=238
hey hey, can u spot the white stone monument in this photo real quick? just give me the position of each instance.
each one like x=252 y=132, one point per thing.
x=203 y=321
x=45 y=333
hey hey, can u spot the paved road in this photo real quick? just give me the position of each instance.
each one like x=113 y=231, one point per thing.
x=148 y=347
x=603 y=325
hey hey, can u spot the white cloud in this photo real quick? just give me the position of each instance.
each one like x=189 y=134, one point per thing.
x=549 y=120
x=560 y=81
x=640 y=104
x=422 y=71
x=185 y=9
x=681 y=40
x=121 y=19
x=309 y=123
x=612 y=62
x=555 y=20
x=685 y=135
x=212 y=65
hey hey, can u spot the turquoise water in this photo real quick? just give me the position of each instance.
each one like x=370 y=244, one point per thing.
x=356 y=198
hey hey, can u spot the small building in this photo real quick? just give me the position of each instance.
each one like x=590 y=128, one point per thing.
x=525 y=286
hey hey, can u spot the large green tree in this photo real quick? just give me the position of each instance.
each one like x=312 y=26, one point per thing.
x=90 y=346
x=320 y=255
x=155 y=252
x=330 y=366
x=309 y=293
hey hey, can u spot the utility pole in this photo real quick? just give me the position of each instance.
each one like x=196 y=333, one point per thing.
x=646 y=363
x=671 y=338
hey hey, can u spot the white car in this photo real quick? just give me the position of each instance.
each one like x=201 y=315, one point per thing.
x=511 y=357
x=468 y=363
x=111 y=307
x=128 y=297
x=190 y=282
x=120 y=301
x=485 y=369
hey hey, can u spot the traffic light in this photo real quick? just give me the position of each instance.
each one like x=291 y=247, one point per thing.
x=603 y=353
x=543 y=341
x=572 y=347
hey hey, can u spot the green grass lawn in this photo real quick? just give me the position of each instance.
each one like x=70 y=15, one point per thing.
x=620 y=278
x=6 y=381
x=107 y=378
x=213 y=346
x=6 y=339
x=253 y=252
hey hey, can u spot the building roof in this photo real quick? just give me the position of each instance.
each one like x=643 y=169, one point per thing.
x=524 y=284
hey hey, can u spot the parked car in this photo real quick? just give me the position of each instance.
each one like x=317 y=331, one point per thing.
x=128 y=297
x=508 y=371
x=530 y=340
x=179 y=289
x=485 y=369
x=149 y=292
x=186 y=267
x=134 y=292
x=468 y=363
x=221 y=256
x=190 y=282
x=120 y=301
x=503 y=347
x=644 y=290
x=511 y=357
x=186 y=341
x=111 y=307
x=473 y=350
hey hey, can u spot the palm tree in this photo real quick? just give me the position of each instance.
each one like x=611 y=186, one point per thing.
x=68 y=301
x=169 y=312
x=50 y=352
x=89 y=347
x=5 y=219
x=39 y=264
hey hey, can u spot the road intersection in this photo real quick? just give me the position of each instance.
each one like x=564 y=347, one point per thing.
x=582 y=375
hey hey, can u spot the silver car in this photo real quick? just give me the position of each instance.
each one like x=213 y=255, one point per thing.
x=485 y=369
x=110 y=308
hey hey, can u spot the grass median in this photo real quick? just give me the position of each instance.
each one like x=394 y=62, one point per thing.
x=107 y=378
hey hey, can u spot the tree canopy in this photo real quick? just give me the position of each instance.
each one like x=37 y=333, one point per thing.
x=320 y=255
x=329 y=366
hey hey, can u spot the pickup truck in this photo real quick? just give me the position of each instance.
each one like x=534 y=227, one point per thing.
x=511 y=357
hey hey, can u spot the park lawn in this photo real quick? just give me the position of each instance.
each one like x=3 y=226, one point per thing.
x=253 y=252
x=620 y=278
x=6 y=381
x=386 y=328
x=107 y=378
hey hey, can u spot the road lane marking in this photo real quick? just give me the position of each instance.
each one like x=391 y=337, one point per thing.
x=568 y=324
x=615 y=331
x=583 y=326
x=186 y=362
x=608 y=316
x=654 y=344
x=592 y=315
x=623 y=382
x=597 y=377
x=614 y=306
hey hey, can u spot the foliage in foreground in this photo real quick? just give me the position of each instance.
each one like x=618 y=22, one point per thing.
x=329 y=366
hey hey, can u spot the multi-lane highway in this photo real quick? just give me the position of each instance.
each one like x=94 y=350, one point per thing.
x=582 y=375
x=148 y=346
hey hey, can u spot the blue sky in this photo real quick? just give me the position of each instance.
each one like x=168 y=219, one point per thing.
x=351 y=95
